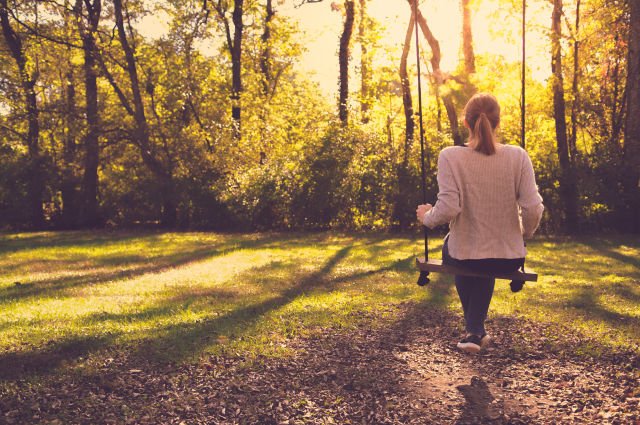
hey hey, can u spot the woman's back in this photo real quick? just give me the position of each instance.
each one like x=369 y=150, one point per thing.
x=480 y=196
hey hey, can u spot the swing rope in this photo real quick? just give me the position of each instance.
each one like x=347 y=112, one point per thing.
x=524 y=70
x=423 y=279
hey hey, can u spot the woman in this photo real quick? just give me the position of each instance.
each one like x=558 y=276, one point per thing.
x=488 y=195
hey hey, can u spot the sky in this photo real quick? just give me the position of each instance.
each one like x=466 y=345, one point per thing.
x=321 y=29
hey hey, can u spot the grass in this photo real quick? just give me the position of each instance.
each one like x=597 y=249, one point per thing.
x=73 y=298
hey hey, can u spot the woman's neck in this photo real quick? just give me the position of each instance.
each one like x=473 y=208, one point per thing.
x=472 y=143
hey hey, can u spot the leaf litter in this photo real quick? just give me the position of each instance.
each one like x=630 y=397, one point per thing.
x=398 y=368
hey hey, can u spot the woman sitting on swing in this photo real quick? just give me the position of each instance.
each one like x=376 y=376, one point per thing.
x=488 y=195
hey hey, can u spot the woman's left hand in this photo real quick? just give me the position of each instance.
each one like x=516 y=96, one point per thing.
x=422 y=210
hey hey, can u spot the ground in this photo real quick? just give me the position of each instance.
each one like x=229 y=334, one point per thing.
x=274 y=329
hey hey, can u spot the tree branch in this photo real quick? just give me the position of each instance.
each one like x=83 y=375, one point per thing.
x=15 y=132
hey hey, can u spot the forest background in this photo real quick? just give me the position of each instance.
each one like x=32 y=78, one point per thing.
x=213 y=121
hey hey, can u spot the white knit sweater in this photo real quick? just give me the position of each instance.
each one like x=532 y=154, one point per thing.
x=491 y=202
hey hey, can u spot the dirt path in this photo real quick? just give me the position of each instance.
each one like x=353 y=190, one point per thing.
x=404 y=372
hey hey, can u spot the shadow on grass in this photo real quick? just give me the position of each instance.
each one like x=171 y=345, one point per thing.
x=19 y=364
x=181 y=341
x=626 y=292
x=177 y=341
x=605 y=248
x=186 y=340
x=585 y=301
x=57 y=286
x=12 y=243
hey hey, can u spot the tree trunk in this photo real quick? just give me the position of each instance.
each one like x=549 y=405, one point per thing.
x=406 y=93
x=439 y=77
x=343 y=57
x=467 y=50
x=568 y=188
x=631 y=149
x=265 y=58
x=573 y=146
x=268 y=83
x=69 y=181
x=365 y=64
x=89 y=213
x=400 y=208
x=236 y=68
x=142 y=132
x=467 y=40
x=35 y=183
x=618 y=101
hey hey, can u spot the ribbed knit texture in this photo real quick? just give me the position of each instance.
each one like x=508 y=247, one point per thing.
x=491 y=202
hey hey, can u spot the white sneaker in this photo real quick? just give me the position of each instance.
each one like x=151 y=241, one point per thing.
x=470 y=344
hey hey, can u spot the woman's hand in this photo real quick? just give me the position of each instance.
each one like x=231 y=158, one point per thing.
x=421 y=211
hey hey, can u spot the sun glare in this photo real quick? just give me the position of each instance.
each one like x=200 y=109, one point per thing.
x=496 y=31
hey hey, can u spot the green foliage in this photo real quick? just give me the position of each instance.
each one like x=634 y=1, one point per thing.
x=293 y=166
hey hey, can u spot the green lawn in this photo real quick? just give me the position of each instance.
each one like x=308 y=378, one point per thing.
x=78 y=297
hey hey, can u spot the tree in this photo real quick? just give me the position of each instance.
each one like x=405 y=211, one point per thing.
x=401 y=211
x=405 y=84
x=568 y=188
x=136 y=108
x=69 y=179
x=87 y=14
x=631 y=149
x=343 y=58
x=365 y=27
x=28 y=78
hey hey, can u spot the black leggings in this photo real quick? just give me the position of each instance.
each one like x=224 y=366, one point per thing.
x=476 y=292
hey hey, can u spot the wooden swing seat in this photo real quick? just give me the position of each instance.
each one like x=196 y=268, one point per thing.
x=436 y=266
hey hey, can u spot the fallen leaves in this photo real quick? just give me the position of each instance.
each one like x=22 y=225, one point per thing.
x=404 y=371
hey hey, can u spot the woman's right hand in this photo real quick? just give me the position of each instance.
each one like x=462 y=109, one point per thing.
x=421 y=211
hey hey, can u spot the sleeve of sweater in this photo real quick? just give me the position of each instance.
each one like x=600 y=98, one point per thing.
x=447 y=206
x=529 y=199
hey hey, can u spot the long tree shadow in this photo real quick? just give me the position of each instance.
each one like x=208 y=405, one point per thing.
x=57 y=286
x=183 y=341
x=586 y=301
x=23 y=363
x=606 y=249
x=627 y=292
x=10 y=243
x=595 y=257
